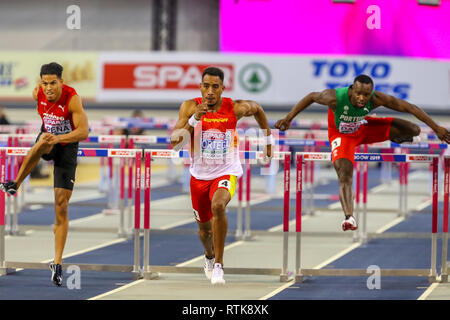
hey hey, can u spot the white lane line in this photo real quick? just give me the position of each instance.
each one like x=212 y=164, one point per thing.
x=88 y=218
x=427 y=292
x=89 y=249
x=291 y=223
x=35 y=207
x=271 y=294
x=379 y=188
x=390 y=225
x=423 y=205
x=337 y=256
x=131 y=284
x=176 y=224
x=232 y=245
x=26 y=233
x=335 y=205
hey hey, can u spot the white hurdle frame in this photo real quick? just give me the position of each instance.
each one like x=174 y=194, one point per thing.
x=7 y=267
x=151 y=271
x=302 y=157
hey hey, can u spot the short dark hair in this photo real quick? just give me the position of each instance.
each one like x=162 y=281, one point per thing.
x=213 y=71
x=52 y=68
x=362 y=78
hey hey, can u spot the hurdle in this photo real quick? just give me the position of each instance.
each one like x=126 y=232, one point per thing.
x=151 y=271
x=431 y=273
x=403 y=167
x=7 y=267
x=444 y=268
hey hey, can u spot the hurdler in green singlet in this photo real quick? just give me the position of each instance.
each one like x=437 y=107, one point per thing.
x=348 y=118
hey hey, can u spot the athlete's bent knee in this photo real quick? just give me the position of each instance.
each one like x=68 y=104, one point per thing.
x=415 y=129
x=218 y=208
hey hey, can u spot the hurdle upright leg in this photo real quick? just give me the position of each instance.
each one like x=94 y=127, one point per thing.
x=365 y=187
x=239 y=233
x=298 y=219
x=356 y=234
x=130 y=191
x=433 y=272
x=444 y=271
x=287 y=175
x=147 y=273
x=247 y=232
x=3 y=270
x=122 y=233
x=15 y=222
x=137 y=217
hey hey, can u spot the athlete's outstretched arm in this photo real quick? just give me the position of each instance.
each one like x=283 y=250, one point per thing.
x=248 y=108
x=391 y=102
x=80 y=122
x=183 y=129
x=326 y=97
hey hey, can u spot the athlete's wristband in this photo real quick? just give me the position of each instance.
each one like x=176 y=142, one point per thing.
x=193 y=122
x=269 y=140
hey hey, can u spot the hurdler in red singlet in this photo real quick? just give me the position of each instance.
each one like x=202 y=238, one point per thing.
x=215 y=165
x=56 y=118
x=215 y=162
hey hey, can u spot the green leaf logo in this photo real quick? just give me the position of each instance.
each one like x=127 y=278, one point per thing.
x=254 y=77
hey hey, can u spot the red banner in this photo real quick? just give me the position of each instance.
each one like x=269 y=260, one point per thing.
x=160 y=76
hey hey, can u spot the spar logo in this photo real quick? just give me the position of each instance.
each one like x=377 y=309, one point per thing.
x=254 y=78
x=160 y=76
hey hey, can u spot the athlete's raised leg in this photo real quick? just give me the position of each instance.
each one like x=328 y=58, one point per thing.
x=403 y=131
x=40 y=148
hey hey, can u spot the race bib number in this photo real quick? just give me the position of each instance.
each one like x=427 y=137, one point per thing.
x=56 y=124
x=335 y=143
x=350 y=127
x=225 y=184
x=215 y=144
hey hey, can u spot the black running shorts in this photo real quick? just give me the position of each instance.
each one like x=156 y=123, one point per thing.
x=65 y=164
